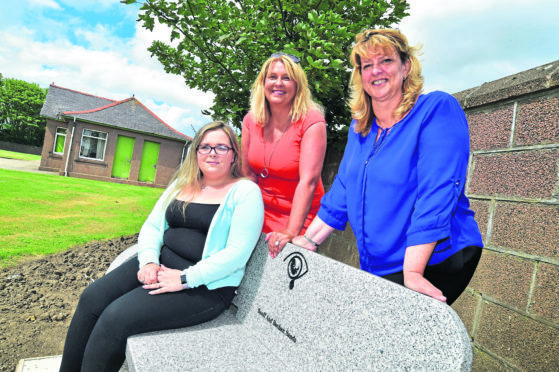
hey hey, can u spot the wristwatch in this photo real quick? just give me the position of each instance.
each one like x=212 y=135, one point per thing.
x=183 y=281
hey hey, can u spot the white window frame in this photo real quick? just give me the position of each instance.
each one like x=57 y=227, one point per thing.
x=102 y=158
x=56 y=134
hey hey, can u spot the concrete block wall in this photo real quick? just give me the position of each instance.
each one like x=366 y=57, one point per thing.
x=511 y=307
x=340 y=245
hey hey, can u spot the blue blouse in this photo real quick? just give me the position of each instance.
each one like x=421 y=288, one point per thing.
x=407 y=188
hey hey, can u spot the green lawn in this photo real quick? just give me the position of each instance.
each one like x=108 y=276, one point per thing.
x=42 y=214
x=18 y=155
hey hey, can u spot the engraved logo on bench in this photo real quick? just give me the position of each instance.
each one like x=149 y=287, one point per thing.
x=296 y=267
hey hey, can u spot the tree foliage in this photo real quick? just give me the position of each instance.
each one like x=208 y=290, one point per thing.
x=20 y=108
x=220 y=46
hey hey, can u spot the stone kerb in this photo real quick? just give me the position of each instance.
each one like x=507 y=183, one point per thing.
x=304 y=311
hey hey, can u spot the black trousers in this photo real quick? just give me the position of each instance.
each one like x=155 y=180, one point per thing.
x=450 y=276
x=115 y=307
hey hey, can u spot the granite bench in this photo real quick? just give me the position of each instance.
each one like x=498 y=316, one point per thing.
x=304 y=311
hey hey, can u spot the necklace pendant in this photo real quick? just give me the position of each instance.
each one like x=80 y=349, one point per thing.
x=264 y=173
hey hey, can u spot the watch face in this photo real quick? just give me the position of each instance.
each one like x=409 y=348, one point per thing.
x=183 y=279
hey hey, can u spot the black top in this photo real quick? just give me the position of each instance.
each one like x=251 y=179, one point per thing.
x=187 y=231
x=183 y=241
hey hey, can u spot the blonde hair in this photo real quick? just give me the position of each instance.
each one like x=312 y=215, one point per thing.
x=189 y=174
x=360 y=102
x=302 y=102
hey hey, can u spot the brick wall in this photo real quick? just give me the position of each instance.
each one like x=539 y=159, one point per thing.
x=511 y=308
x=170 y=153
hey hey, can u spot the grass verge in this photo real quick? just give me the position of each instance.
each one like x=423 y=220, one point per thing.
x=18 y=155
x=42 y=214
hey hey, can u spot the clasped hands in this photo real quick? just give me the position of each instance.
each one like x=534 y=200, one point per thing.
x=160 y=279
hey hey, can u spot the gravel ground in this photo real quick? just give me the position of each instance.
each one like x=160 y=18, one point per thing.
x=38 y=298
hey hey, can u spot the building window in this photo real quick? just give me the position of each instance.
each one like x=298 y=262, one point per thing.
x=93 y=144
x=59 y=139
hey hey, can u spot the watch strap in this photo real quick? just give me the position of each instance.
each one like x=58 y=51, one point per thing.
x=184 y=282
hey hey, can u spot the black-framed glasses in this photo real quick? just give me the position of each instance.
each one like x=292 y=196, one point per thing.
x=292 y=57
x=219 y=149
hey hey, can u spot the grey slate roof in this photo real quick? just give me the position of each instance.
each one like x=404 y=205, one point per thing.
x=128 y=114
x=60 y=99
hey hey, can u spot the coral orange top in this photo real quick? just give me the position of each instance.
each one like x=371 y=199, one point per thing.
x=281 y=161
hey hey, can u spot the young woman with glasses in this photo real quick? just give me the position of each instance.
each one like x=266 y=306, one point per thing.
x=193 y=249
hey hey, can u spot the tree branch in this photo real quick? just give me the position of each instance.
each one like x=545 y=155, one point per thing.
x=289 y=34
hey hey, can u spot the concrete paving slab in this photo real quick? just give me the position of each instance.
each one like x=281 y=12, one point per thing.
x=42 y=364
x=45 y=364
x=23 y=165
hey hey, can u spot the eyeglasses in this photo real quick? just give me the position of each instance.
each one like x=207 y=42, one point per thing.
x=292 y=57
x=219 y=149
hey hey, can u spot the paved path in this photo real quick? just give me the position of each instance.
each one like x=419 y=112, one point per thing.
x=22 y=165
x=46 y=364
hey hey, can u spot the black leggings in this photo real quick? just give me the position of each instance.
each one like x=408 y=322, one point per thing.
x=450 y=276
x=115 y=307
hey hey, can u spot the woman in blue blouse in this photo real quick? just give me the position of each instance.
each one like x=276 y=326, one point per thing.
x=401 y=180
x=193 y=249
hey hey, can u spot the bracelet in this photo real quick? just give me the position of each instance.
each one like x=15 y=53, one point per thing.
x=311 y=241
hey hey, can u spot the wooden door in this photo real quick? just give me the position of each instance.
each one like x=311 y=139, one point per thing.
x=148 y=165
x=123 y=157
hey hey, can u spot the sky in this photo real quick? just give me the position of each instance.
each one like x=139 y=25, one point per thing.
x=97 y=47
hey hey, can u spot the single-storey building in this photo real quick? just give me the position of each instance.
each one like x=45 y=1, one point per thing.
x=103 y=139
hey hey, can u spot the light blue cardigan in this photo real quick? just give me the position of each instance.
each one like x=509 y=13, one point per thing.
x=232 y=236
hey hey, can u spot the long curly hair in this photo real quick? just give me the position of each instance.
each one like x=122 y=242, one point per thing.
x=302 y=102
x=386 y=40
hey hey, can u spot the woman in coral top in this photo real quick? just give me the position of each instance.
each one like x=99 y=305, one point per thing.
x=283 y=147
